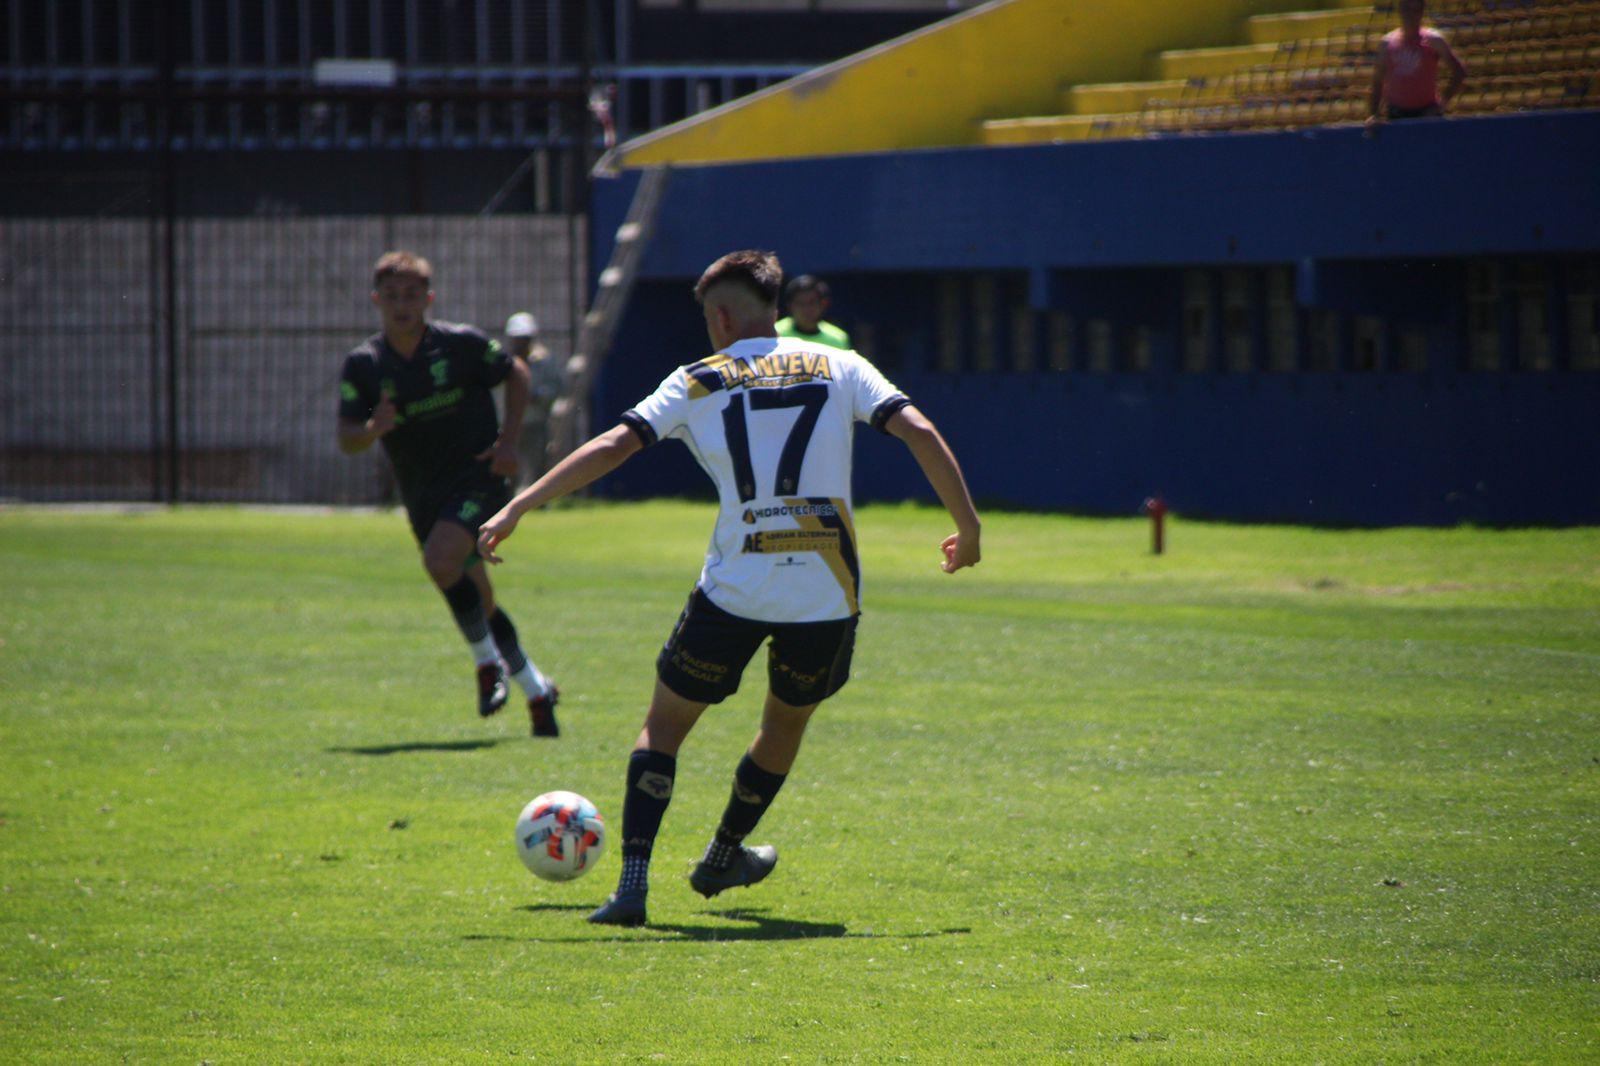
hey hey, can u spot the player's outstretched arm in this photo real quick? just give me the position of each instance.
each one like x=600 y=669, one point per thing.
x=590 y=462
x=939 y=466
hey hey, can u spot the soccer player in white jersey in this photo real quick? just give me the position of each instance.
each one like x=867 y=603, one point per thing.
x=771 y=420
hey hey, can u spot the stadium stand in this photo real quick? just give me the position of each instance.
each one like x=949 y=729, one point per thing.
x=1313 y=68
x=1302 y=323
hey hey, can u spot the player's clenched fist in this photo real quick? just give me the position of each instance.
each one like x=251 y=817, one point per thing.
x=384 y=416
x=960 y=551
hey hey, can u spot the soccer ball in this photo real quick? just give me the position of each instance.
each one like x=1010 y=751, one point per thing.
x=560 y=836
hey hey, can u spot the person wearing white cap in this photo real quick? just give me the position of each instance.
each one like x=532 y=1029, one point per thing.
x=522 y=341
x=521 y=329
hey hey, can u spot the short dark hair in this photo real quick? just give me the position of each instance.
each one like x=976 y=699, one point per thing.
x=758 y=272
x=401 y=264
x=805 y=283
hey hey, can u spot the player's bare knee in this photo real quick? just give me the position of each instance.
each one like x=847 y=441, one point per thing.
x=441 y=566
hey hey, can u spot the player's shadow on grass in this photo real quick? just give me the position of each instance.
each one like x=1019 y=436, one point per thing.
x=415 y=745
x=761 y=927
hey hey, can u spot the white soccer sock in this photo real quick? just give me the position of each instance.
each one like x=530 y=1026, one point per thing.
x=534 y=683
x=484 y=651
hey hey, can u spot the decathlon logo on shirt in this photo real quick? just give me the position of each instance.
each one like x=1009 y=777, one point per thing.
x=752 y=515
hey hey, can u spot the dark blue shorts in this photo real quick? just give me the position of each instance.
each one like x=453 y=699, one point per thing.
x=709 y=648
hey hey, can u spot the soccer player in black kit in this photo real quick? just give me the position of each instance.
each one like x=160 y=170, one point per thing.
x=423 y=389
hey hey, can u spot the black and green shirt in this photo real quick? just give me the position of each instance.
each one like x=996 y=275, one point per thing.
x=446 y=414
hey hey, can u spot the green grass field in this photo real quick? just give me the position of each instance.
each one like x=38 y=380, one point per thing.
x=1281 y=795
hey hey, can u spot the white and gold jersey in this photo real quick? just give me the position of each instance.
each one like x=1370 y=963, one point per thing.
x=772 y=421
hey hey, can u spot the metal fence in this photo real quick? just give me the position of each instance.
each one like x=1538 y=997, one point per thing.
x=253 y=75
x=190 y=210
x=206 y=368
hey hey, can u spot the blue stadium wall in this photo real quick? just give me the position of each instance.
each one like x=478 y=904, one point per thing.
x=1388 y=228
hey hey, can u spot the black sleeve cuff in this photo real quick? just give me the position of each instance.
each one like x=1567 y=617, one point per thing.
x=641 y=428
x=886 y=410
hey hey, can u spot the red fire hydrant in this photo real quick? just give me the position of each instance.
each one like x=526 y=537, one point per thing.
x=1156 y=508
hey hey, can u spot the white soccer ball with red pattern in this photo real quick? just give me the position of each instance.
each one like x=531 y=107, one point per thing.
x=560 y=836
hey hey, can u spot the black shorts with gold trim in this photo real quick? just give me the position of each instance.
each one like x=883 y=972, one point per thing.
x=709 y=648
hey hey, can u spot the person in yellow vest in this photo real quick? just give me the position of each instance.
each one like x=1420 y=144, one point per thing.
x=807 y=299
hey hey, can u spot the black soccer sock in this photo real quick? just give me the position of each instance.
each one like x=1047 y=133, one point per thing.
x=635 y=879
x=467 y=605
x=505 y=638
x=650 y=775
x=754 y=789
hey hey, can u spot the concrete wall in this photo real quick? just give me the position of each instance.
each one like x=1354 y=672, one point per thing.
x=266 y=310
x=1502 y=184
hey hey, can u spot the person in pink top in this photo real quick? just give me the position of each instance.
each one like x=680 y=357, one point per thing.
x=1405 y=77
